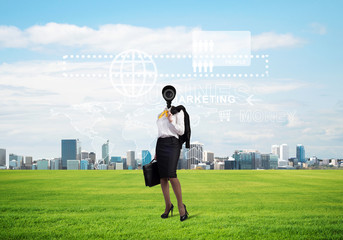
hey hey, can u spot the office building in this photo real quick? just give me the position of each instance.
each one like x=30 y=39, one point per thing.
x=284 y=152
x=84 y=155
x=13 y=164
x=28 y=162
x=218 y=166
x=300 y=150
x=130 y=155
x=182 y=164
x=90 y=166
x=115 y=159
x=247 y=159
x=284 y=155
x=105 y=152
x=111 y=166
x=73 y=164
x=230 y=163
x=55 y=164
x=92 y=157
x=84 y=164
x=102 y=166
x=146 y=157
x=70 y=151
x=51 y=164
x=19 y=160
x=313 y=161
x=276 y=150
x=273 y=161
x=42 y=164
x=208 y=156
x=194 y=154
x=2 y=157
x=119 y=166
x=183 y=161
x=269 y=161
x=124 y=160
x=58 y=163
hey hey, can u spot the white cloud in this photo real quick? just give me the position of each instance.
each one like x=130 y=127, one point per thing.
x=294 y=121
x=271 y=40
x=283 y=85
x=118 y=37
x=12 y=37
x=108 y=38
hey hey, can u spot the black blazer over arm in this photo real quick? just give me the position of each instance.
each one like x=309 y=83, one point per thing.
x=186 y=137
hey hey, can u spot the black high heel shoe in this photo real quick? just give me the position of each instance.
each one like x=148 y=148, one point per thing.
x=165 y=215
x=184 y=217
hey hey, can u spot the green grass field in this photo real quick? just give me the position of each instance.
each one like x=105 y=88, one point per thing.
x=223 y=204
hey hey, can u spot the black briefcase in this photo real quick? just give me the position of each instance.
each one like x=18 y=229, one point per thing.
x=151 y=174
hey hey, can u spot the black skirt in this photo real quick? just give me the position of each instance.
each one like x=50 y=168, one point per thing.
x=167 y=156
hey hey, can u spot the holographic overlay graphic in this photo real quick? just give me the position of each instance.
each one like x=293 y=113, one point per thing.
x=133 y=73
x=220 y=48
x=223 y=59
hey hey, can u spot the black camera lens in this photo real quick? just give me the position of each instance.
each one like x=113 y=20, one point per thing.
x=168 y=93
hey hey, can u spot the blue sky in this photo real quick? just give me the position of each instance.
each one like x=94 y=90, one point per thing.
x=308 y=63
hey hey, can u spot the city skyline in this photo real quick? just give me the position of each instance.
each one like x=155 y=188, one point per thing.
x=73 y=158
x=193 y=152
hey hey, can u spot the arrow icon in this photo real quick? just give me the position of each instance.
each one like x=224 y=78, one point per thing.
x=250 y=100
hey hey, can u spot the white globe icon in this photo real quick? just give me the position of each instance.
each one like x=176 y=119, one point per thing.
x=133 y=73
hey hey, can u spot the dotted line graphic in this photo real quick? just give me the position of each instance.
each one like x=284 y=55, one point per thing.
x=167 y=56
x=171 y=75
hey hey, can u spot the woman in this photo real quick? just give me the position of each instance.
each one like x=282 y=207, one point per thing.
x=167 y=155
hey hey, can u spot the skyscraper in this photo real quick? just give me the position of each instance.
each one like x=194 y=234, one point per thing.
x=284 y=155
x=247 y=159
x=105 y=152
x=276 y=150
x=28 y=162
x=84 y=155
x=69 y=151
x=2 y=157
x=130 y=155
x=116 y=159
x=273 y=161
x=17 y=158
x=92 y=157
x=84 y=164
x=146 y=157
x=195 y=154
x=301 y=153
x=208 y=156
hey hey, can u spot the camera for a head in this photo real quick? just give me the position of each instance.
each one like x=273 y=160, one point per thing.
x=168 y=93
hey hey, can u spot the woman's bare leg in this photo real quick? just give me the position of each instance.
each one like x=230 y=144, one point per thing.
x=165 y=190
x=177 y=190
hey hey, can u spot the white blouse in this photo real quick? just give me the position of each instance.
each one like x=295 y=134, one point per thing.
x=174 y=128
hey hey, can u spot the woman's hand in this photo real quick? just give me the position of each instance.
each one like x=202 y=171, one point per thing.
x=170 y=116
